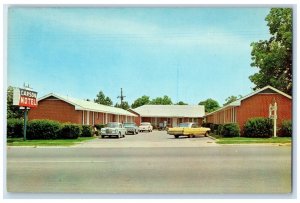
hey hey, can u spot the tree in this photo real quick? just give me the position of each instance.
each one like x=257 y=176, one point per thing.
x=140 y=101
x=273 y=57
x=181 y=103
x=12 y=111
x=161 y=100
x=210 y=105
x=230 y=99
x=101 y=99
x=124 y=105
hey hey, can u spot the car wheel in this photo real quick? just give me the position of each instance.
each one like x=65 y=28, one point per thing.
x=206 y=134
x=176 y=136
x=102 y=136
x=119 y=136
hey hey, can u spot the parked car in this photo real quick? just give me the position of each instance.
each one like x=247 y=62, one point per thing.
x=145 y=126
x=188 y=129
x=113 y=129
x=131 y=128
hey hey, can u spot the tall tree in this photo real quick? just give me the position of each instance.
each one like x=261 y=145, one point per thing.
x=140 y=101
x=165 y=100
x=181 y=103
x=210 y=105
x=230 y=99
x=124 y=105
x=102 y=99
x=273 y=57
x=12 y=111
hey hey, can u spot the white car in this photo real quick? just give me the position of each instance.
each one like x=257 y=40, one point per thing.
x=113 y=129
x=145 y=126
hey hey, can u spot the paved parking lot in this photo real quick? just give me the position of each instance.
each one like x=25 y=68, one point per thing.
x=150 y=139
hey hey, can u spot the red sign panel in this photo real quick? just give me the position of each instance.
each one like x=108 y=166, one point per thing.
x=27 y=101
x=25 y=98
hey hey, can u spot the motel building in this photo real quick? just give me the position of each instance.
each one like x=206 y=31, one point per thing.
x=253 y=105
x=171 y=114
x=66 y=109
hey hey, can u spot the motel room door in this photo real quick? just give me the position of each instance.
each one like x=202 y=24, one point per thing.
x=174 y=122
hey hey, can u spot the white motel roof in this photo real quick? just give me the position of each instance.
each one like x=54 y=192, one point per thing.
x=84 y=105
x=180 y=111
x=262 y=90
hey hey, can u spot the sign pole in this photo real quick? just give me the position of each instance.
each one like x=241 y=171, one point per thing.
x=25 y=122
x=275 y=119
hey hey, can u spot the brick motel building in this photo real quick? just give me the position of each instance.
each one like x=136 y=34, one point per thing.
x=172 y=114
x=253 y=105
x=66 y=109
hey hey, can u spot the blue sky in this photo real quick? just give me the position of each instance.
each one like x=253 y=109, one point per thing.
x=189 y=54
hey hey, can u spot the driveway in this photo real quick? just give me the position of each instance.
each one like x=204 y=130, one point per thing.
x=149 y=139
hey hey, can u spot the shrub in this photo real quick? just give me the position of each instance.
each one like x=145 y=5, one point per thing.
x=219 y=128
x=215 y=128
x=15 y=127
x=43 y=129
x=207 y=125
x=70 y=131
x=286 y=129
x=87 y=131
x=258 y=127
x=98 y=127
x=230 y=130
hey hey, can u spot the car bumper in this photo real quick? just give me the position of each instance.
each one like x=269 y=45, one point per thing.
x=175 y=132
x=110 y=134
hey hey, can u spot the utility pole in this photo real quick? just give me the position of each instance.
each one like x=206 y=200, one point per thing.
x=121 y=97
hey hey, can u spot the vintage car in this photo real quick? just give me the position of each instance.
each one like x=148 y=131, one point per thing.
x=131 y=128
x=113 y=129
x=188 y=129
x=145 y=126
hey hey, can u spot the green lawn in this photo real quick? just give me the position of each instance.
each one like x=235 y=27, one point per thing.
x=246 y=140
x=59 y=142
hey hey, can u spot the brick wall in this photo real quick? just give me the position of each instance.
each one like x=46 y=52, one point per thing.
x=258 y=106
x=254 y=106
x=54 y=109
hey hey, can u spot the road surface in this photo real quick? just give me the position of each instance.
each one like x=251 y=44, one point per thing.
x=206 y=169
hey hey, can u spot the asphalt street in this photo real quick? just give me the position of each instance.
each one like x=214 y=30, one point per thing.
x=206 y=169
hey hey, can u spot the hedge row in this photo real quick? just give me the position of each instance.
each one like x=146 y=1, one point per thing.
x=226 y=130
x=254 y=127
x=47 y=129
x=15 y=127
x=230 y=130
x=258 y=127
x=286 y=129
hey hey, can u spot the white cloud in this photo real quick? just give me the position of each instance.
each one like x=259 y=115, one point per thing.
x=113 y=28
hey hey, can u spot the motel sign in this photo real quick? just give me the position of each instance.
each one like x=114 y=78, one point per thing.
x=25 y=98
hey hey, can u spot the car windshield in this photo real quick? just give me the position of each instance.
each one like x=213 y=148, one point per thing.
x=129 y=125
x=112 y=125
x=145 y=123
x=184 y=125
